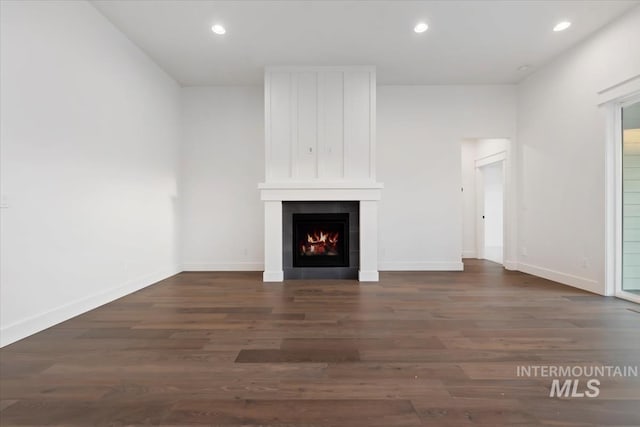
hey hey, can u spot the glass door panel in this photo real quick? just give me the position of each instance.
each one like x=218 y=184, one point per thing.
x=631 y=198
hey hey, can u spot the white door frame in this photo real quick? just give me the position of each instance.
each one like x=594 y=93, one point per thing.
x=613 y=209
x=479 y=181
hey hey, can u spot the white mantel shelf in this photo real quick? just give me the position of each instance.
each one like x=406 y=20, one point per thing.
x=319 y=185
x=325 y=191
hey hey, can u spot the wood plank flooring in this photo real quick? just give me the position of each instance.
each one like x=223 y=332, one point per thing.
x=417 y=348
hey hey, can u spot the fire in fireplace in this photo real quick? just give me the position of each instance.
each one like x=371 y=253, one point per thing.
x=321 y=240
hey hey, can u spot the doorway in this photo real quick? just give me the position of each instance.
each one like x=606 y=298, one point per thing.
x=623 y=196
x=486 y=200
x=490 y=195
x=630 y=283
x=492 y=211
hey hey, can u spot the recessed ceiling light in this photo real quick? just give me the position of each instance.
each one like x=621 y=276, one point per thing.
x=561 y=26
x=421 y=27
x=218 y=29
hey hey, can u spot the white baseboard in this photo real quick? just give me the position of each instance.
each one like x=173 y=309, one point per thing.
x=628 y=296
x=223 y=266
x=421 y=266
x=564 y=278
x=469 y=254
x=510 y=265
x=31 y=325
x=368 y=276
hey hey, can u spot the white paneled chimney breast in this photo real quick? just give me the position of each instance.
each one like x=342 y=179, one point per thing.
x=320 y=146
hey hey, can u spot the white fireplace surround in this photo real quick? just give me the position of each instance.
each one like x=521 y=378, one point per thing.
x=320 y=127
x=273 y=194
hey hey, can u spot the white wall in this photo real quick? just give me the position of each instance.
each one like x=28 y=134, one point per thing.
x=561 y=137
x=486 y=147
x=468 y=169
x=419 y=130
x=89 y=135
x=222 y=163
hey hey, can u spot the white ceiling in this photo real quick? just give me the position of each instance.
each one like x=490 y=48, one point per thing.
x=468 y=42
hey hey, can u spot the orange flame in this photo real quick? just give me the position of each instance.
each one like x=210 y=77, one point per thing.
x=320 y=242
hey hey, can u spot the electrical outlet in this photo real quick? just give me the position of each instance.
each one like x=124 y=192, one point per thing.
x=524 y=251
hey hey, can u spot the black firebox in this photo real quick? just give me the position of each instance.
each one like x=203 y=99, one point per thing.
x=320 y=240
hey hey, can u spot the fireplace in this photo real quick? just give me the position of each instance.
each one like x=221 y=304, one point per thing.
x=320 y=158
x=321 y=240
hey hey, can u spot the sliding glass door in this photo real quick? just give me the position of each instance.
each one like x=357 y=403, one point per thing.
x=631 y=198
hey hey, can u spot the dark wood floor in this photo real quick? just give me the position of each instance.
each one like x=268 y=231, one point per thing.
x=415 y=349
